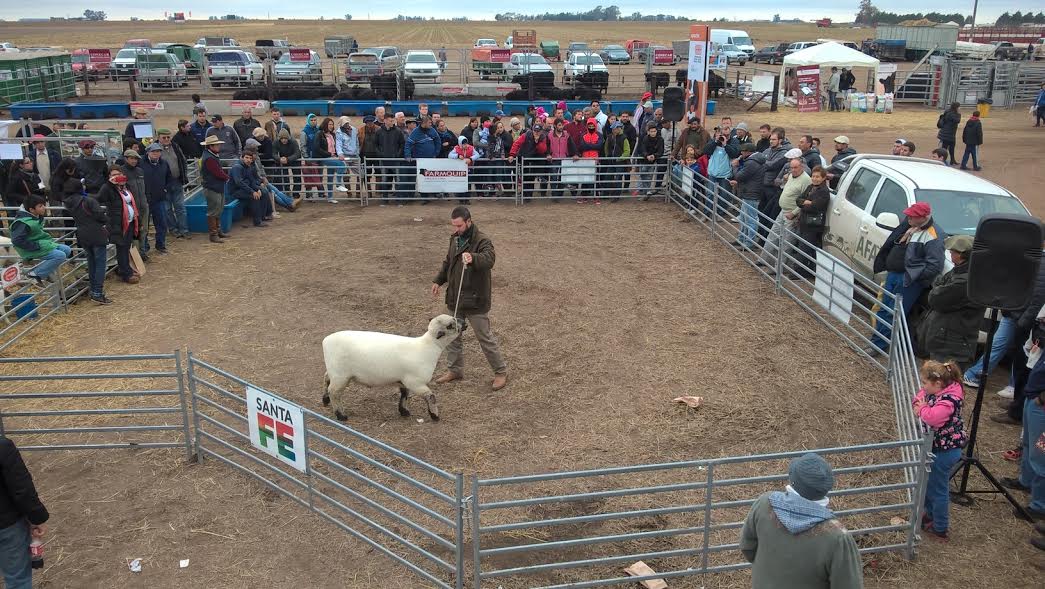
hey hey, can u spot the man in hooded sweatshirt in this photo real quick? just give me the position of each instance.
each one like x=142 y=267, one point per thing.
x=590 y=146
x=794 y=541
x=307 y=141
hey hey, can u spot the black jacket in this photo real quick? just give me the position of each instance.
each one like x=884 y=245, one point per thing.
x=18 y=498
x=972 y=134
x=320 y=148
x=918 y=261
x=158 y=179
x=390 y=143
x=290 y=150
x=95 y=172
x=749 y=177
x=52 y=155
x=89 y=218
x=614 y=146
x=19 y=186
x=812 y=158
x=821 y=199
x=649 y=146
x=190 y=147
x=848 y=151
x=1026 y=318
x=948 y=125
x=952 y=328
x=109 y=197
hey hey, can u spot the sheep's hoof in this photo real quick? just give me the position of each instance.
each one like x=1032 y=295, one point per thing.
x=433 y=409
x=403 y=411
x=340 y=416
x=326 y=400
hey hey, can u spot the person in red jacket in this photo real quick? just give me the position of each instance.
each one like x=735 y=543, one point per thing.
x=590 y=146
x=533 y=148
x=562 y=147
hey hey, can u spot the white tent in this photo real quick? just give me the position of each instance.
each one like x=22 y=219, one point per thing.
x=829 y=55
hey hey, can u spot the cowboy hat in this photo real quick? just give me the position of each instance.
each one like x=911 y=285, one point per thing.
x=211 y=140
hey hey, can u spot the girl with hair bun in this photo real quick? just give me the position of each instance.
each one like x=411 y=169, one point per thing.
x=939 y=406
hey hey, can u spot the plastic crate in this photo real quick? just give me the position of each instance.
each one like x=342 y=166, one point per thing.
x=196 y=212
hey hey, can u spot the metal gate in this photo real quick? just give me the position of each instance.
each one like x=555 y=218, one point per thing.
x=1029 y=78
x=967 y=82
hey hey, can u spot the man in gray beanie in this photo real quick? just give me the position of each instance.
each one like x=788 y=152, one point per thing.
x=794 y=541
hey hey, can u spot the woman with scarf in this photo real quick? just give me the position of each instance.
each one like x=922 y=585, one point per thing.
x=122 y=221
x=325 y=148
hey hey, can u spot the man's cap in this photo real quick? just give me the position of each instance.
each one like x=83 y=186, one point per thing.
x=498 y=113
x=793 y=153
x=163 y=131
x=842 y=139
x=616 y=125
x=87 y=143
x=537 y=127
x=811 y=476
x=647 y=104
x=211 y=140
x=959 y=243
x=217 y=118
x=742 y=125
x=252 y=143
x=154 y=147
x=900 y=141
x=749 y=147
x=646 y=96
x=258 y=133
x=132 y=153
x=918 y=209
x=342 y=121
x=369 y=119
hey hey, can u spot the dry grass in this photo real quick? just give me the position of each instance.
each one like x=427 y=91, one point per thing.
x=429 y=35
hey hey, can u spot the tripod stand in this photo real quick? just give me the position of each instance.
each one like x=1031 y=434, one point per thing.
x=969 y=459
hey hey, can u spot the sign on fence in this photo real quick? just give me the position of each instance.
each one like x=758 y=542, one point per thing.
x=833 y=288
x=11 y=276
x=147 y=105
x=276 y=427
x=441 y=175
x=578 y=172
x=809 y=89
x=698 y=53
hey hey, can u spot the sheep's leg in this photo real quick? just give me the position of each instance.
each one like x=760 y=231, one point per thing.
x=433 y=406
x=335 y=392
x=326 y=389
x=404 y=394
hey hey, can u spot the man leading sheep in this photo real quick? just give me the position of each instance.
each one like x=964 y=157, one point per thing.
x=470 y=258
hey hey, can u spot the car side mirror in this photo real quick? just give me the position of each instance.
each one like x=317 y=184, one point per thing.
x=887 y=221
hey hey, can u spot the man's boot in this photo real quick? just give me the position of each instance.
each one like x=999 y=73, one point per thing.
x=217 y=227
x=212 y=225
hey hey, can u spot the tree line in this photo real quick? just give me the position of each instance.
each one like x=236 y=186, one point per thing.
x=599 y=13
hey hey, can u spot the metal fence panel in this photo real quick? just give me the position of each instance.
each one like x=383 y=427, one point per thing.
x=95 y=402
x=399 y=505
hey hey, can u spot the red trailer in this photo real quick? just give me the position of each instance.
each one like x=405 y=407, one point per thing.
x=1015 y=35
x=823 y=23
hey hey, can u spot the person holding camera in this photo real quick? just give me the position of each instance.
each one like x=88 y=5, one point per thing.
x=23 y=517
x=720 y=150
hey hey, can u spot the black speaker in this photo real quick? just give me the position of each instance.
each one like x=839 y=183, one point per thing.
x=1003 y=266
x=674 y=103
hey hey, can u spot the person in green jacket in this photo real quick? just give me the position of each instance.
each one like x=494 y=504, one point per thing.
x=32 y=242
x=794 y=541
x=951 y=330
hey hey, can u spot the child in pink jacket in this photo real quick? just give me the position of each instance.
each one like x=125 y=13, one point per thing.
x=939 y=405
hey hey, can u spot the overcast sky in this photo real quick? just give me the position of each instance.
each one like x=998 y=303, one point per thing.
x=481 y=9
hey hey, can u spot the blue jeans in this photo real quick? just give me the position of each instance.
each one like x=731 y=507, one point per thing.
x=177 y=218
x=937 y=493
x=1032 y=465
x=832 y=99
x=50 y=262
x=723 y=193
x=748 y=223
x=158 y=210
x=96 y=266
x=1002 y=337
x=281 y=199
x=971 y=150
x=14 y=556
x=910 y=294
x=335 y=172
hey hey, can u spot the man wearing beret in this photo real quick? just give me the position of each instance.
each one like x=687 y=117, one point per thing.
x=912 y=256
x=792 y=539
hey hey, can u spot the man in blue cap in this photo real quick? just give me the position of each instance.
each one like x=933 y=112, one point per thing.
x=794 y=541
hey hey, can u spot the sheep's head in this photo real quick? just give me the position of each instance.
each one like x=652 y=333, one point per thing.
x=8 y=255
x=444 y=328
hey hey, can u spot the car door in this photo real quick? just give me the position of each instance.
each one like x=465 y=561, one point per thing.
x=889 y=198
x=848 y=215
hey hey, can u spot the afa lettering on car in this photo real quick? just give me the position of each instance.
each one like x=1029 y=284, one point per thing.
x=866 y=248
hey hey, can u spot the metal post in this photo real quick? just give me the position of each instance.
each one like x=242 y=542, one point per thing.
x=184 y=408
x=922 y=475
x=714 y=203
x=708 y=500
x=779 y=255
x=308 y=463
x=195 y=410
x=476 y=568
x=774 y=101
x=2 y=433
x=460 y=502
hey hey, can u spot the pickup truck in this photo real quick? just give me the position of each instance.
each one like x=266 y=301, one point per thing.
x=490 y=62
x=526 y=63
x=874 y=190
x=91 y=63
x=581 y=63
x=209 y=44
x=1005 y=50
x=389 y=56
x=234 y=68
x=271 y=48
x=362 y=67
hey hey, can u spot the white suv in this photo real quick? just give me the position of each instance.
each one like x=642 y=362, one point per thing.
x=421 y=66
x=581 y=63
x=875 y=189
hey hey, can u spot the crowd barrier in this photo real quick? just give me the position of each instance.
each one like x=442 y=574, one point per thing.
x=555 y=529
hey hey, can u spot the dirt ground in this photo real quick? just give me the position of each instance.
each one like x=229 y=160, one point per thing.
x=601 y=325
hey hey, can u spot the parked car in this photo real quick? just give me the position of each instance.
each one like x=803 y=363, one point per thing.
x=289 y=68
x=421 y=66
x=271 y=48
x=91 y=63
x=488 y=43
x=875 y=189
x=190 y=56
x=611 y=54
x=8 y=47
x=159 y=69
x=337 y=46
x=733 y=54
x=210 y=44
x=580 y=63
x=793 y=47
x=526 y=63
x=362 y=67
x=772 y=54
x=389 y=56
x=574 y=47
x=234 y=68
x=125 y=62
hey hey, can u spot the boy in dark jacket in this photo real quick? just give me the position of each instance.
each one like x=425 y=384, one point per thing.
x=972 y=137
x=93 y=236
x=32 y=242
x=245 y=185
x=22 y=517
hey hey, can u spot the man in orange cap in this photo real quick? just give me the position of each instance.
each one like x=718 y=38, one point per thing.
x=913 y=258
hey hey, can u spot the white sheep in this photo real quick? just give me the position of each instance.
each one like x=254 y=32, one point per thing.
x=377 y=359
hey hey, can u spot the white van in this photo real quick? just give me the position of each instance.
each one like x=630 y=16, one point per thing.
x=734 y=37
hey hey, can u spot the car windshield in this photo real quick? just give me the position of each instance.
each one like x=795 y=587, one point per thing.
x=126 y=53
x=286 y=58
x=959 y=212
x=769 y=49
x=589 y=60
x=225 y=57
x=420 y=58
x=741 y=40
x=362 y=58
x=376 y=52
x=614 y=48
x=81 y=59
x=532 y=59
x=728 y=47
x=577 y=46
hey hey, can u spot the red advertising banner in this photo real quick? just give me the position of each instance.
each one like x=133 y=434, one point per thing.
x=809 y=89
x=663 y=56
x=300 y=54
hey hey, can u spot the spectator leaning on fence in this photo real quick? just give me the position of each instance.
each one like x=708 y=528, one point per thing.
x=171 y=153
x=213 y=178
x=649 y=153
x=136 y=184
x=812 y=219
x=23 y=517
x=324 y=148
x=794 y=541
x=590 y=146
x=307 y=140
x=785 y=227
x=269 y=190
x=774 y=167
x=93 y=167
x=390 y=145
x=747 y=184
x=912 y=256
x=158 y=182
x=346 y=144
x=33 y=243
x=561 y=147
x=424 y=142
x=245 y=185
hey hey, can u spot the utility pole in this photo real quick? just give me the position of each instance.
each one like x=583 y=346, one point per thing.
x=975 y=5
